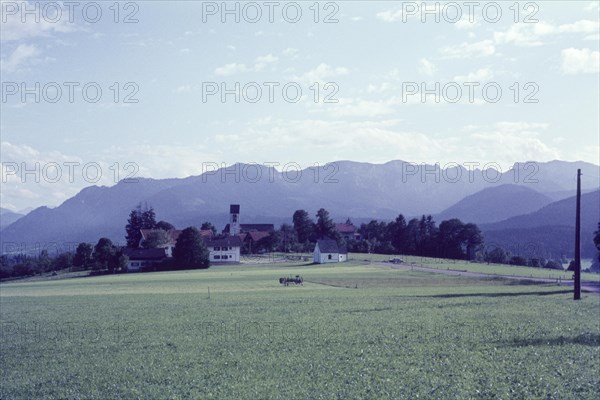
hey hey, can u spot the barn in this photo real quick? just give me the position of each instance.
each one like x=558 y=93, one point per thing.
x=328 y=251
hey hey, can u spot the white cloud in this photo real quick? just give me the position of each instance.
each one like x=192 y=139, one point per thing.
x=14 y=29
x=593 y=6
x=183 y=89
x=575 y=61
x=230 y=69
x=383 y=87
x=356 y=107
x=594 y=38
x=507 y=142
x=390 y=15
x=262 y=61
x=465 y=22
x=467 y=50
x=291 y=52
x=582 y=26
x=482 y=74
x=526 y=35
x=385 y=139
x=530 y=35
x=322 y=73
x=426 y=67
x=47 y=180
x=23 y=54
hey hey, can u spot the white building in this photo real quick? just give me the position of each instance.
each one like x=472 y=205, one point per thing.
x=143 y=258
x=328 y=251
x=224 y=250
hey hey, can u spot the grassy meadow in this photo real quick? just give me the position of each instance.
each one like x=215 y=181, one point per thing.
x=354 y=330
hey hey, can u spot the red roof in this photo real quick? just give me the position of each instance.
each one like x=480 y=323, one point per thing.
x=256 y=236
x=206 y=233
x=345 y=228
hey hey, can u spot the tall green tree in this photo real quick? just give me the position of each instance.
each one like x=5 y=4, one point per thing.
x=324 y=227
x=104 y=253
x=595 y=267
x=83 y=256
x=412 y=237
x=450 y=239
x=190 y=250
x=428 y=235
x=472 y=239
x=44 y=262
x=139 y=219
x=597 y=240
x=303 y=226
x=63 y=261
x=397 y=234
x=208 y=226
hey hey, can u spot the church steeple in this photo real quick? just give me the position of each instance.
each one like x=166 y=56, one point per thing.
x=234 y=219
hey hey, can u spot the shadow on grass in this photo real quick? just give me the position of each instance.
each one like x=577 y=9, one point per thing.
x=502 y=294
x=590 y=339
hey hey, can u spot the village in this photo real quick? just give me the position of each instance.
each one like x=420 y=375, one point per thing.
x=235 y=240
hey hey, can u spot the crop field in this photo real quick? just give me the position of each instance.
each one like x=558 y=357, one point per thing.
x=495 y=269
x=353 y=331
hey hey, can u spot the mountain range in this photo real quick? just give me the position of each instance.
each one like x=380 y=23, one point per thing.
x=361 y=191
x=7 y=217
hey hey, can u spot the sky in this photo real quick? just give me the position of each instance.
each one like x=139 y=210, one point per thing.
x=93 y=93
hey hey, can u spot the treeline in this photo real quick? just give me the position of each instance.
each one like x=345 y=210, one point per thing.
x=190 y=251
x=103 y=257
x=421 y=237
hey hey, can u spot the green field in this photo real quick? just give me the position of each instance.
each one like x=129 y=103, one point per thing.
x=497 y=269
x=352 y=331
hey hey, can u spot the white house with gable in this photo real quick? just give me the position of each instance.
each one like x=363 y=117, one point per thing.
x=328 y=251
x=225 y=249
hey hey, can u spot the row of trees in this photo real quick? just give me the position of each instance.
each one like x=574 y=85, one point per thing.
x=104 y=256
x=422 y=237
x=190 y=251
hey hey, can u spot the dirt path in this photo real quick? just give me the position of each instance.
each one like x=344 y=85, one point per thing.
x=591 y=287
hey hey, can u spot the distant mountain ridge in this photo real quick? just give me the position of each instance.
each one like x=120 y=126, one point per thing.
x=495 y=204
x=551 y=230
x=7 y=217
x=345 y=188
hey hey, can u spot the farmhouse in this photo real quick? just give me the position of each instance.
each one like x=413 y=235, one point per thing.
x=225 y=249
x=221 y=250
x=347 y=231
x=140 y=258
x=328 y=251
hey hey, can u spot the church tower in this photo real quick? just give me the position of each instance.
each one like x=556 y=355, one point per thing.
x=234 y=219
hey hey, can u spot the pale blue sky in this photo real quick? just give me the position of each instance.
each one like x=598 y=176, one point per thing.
x=371 y=54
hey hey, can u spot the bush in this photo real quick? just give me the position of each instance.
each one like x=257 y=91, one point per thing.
x=518 y=260
x=551 y=264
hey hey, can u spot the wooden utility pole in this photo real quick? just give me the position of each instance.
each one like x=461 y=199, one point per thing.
x=577 y=282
